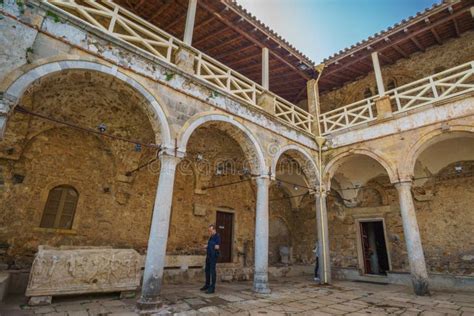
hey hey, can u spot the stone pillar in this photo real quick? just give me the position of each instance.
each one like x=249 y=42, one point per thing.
x=267 y=102
x=156 y=253
x=416 y=257
x=184 y=60
x=323 y=239
x=260 y=279
x=384 y=107
x=189 y=26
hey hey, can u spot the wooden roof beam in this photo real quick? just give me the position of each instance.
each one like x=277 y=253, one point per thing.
x=396 y=47
x=415 y=41
x=252 y=39
x=163 y=7
x=300 y=94
x=223 y=44
x=433 y=31
x=179 y=19
x=241 y=50
x=240 y=61
x=139 y=4
x=209 y=36
x=258 y=67
x=455 y=23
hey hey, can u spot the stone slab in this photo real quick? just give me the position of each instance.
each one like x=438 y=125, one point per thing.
x=79 y=270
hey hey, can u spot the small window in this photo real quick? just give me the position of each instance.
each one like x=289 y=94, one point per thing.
x=60 y=207
x=391 y=84
x=367 y=93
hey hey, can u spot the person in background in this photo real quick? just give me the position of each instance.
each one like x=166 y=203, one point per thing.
x=212 y=254
x=316 y=267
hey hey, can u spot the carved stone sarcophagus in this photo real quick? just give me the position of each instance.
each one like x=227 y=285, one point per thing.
x=78 y=270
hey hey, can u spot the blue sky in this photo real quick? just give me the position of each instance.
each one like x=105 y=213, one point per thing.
x=319 y=28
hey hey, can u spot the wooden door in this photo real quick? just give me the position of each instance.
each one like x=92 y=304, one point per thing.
x=364 y=236
x=224 y=225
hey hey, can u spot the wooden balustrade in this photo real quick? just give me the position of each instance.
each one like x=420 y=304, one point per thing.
x=122 y=24
x=440 y=86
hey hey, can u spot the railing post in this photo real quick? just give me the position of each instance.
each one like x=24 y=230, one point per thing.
x=433 y=88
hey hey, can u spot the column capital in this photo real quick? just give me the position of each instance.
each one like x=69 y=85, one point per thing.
x=6 y=104
x=404 y=183
x=320 y=190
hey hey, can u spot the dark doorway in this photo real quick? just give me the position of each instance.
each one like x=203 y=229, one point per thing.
x=224 y=223
x=374 y=248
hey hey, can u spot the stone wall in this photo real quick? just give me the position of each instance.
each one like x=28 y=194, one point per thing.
x=453 y=52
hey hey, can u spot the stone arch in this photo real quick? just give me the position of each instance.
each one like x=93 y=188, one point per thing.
x=339 y=159
x=16 y=88
x=234 y=129
x=407 y=168
x=303 y=158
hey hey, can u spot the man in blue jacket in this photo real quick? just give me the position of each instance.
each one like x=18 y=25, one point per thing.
x=212 y=253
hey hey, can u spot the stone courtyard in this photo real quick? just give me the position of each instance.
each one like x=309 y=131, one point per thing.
x=290 y=296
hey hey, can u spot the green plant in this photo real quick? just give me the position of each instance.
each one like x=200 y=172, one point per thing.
x=30 y=50
x=214 y=94
x=169 y=76
x=54 y=16
x=21 y=6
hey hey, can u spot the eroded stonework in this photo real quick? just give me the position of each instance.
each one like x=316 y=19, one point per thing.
x=78 y=270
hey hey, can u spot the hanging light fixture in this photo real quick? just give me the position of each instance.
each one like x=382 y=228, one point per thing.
x=458 y=168
x=102 y=127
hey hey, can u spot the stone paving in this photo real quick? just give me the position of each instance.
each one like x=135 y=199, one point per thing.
x=290 y=296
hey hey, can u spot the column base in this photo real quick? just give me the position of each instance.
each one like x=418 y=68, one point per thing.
x=148 y=305
x=260 y=285
x=420 y=286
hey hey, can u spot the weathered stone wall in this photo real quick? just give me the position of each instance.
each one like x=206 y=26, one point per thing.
x=446 y=220
x=454 y=52
x=343 y=223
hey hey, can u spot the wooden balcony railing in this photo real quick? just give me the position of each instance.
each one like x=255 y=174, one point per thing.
x=122 y=24
x=440 y=86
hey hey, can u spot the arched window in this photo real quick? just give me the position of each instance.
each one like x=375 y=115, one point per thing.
x=60 y=207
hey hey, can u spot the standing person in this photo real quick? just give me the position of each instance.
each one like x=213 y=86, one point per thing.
x=316 y=268
x=212 y=253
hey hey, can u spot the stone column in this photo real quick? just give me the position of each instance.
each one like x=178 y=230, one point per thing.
x=156 y=253
x=416 y=257
x=260 y=279
x=323 y=239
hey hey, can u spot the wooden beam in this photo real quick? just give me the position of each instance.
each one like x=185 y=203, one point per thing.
x=265 y=68
x=139 y=4
x=378 y=73
x=244 y=60
x=386 y=59
x=300 y=94
x=211 y=35
x=223 y=44
x=324 y=79
x=455 y=23
x=176 y=21
x=252 y=39
x=400 y=51
x=433 y=31
x=160 y=10
x=273 y=66
x=204 y=23
x=415 y=41
x=241 y=50
x=428 y=27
